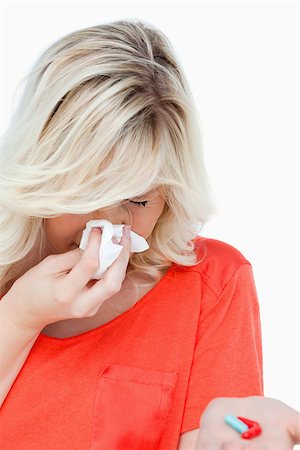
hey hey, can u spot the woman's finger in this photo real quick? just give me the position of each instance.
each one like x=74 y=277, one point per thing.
x=113 y=278
x=74 y=282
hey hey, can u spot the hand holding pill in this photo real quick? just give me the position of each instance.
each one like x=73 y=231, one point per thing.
x=273 y=424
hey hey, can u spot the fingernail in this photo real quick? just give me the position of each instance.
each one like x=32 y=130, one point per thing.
x=127 y=230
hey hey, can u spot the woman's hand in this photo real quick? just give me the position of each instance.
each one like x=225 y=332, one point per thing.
x=61 y=286
x=279 y=423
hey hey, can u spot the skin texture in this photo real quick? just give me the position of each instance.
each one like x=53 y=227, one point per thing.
x=277 y=420
x=63 y=233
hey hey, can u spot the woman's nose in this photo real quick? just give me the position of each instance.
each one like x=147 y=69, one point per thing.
x=117 y=215
x=115 y=220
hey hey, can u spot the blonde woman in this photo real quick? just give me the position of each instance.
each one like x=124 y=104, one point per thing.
x=107 y=129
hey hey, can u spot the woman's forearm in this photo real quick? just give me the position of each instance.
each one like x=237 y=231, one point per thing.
x=15 y=345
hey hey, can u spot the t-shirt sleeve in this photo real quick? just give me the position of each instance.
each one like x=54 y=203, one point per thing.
x=227 y=358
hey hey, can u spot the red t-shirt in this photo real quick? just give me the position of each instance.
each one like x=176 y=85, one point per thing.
x=142 y=379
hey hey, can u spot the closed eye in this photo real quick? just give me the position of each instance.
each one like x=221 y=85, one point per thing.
x=140 y=203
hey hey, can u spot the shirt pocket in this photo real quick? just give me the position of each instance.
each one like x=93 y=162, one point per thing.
x=132 y=406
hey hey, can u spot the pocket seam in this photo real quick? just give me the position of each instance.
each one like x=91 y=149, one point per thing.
x=163 y=383
x=141 y=382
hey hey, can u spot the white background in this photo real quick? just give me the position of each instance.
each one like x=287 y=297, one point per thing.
x=241 y=59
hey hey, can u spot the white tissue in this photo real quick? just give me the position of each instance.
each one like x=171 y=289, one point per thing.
x=108 y=251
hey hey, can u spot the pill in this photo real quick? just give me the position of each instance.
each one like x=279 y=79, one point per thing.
x=236 y=424
x=252 y=432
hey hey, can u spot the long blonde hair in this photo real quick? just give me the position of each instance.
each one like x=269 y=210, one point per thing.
x=106 y=114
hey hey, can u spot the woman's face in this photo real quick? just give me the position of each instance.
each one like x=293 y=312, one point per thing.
x=64 y=233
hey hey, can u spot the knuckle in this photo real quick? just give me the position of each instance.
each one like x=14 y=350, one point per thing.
x=78 y=314
x=114 y=288
x=215 y=404
x=90 y=263
x=61 y=299
x=82 y=311
x=60 y=295
x=91 y=312
x=119 y=285
x=217 y=400
x=48 y=258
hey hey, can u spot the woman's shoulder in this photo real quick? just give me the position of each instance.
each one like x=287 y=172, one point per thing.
x=218 y=260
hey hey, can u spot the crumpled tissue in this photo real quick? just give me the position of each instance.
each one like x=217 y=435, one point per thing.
x=108 y=251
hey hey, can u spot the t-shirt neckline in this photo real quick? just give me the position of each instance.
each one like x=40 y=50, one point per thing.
x=103 y=328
